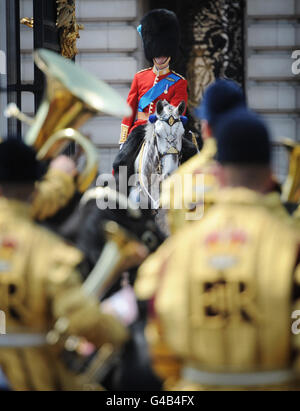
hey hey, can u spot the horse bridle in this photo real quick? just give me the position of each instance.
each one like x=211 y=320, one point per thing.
x=172 y=150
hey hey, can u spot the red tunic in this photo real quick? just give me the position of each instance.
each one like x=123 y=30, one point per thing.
x=143 y=81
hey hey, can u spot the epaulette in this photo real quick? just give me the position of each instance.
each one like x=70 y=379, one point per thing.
x=183 y=78
x=144 y=70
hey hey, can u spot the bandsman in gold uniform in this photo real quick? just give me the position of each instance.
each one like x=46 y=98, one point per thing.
x=191 y=190
x=224 y=289
x=180 y=192
x=55 y=190
x=39 y=284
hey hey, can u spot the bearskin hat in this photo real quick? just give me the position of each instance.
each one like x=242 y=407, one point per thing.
x=242 y=138
x=18 y=162
x=220 y=97
x=160 y=33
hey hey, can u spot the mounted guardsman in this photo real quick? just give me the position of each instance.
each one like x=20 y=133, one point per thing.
x=160 y=32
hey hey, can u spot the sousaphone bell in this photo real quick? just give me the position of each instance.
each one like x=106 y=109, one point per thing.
x=72 y=96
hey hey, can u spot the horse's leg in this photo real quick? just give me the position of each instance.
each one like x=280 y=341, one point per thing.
x=134 y=191
x=134 y=195
x=161 y=221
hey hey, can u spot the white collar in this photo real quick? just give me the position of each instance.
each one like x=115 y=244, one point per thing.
x=161 y=72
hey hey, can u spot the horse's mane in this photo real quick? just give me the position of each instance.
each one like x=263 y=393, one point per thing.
x=150 y=151
x=149 y=129
x=148 y=168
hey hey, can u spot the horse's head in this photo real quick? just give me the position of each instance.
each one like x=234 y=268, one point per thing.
x=168 y=132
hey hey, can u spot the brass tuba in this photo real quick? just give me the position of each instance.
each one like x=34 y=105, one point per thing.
x=291 y=186
x=72 y=96
x=120 y=246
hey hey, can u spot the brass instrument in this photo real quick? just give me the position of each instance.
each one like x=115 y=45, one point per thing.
x=120 y=246
x=291 y=186
x=72 y=96
x=28 y=21
x=101 y=193
x=67 y=25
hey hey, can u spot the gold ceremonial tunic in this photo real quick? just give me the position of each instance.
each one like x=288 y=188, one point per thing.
x=296 y=217
x=223 y=291
x=192 y=190
x=38 y=285
x=52 y=193
x=189 y=192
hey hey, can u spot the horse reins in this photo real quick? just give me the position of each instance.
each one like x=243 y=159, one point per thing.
x=141 y=174
x=172 y=150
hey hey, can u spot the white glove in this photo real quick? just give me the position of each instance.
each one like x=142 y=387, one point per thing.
x=122 y=305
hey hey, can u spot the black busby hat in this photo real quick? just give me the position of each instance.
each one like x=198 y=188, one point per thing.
x=242 y=139
x=18 y=163
x=160 y=33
